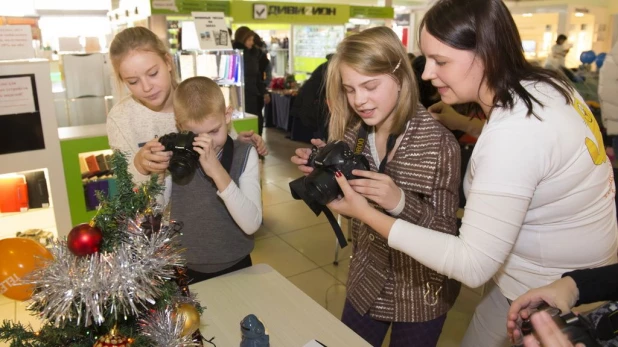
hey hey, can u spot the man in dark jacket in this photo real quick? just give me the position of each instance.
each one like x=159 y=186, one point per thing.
x=310 y=105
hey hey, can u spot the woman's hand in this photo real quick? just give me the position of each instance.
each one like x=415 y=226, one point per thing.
x=254 y=139
x=152 y=158
x=302 y=154
x=562 y=294
x=351 y=204
x=377 y=187
x=548 y=332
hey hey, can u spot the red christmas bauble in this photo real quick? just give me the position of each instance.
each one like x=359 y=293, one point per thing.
x=84 y=239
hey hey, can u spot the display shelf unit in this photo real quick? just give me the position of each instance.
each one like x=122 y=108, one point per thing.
x=76 y=141
x=56 y=217
x=224 y=66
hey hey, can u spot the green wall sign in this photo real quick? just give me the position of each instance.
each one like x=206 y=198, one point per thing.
x=188 y=6
x=372 y=12
x=285 y=12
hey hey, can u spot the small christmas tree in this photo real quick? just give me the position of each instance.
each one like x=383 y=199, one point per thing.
x=116 y=281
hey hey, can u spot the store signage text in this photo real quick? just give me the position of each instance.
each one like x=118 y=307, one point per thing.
x=260 y=11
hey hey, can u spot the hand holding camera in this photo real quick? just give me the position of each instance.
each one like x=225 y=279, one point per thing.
x=302 y=155
x=184 y=159
x=152 y=158
x=377 y=187
x=547 y=325
x=208 y=159
x=562 y=294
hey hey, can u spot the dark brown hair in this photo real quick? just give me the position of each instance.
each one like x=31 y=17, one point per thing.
x=486 y=28
x=242 y=34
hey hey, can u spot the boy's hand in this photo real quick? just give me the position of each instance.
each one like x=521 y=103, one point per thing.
x=208 y=157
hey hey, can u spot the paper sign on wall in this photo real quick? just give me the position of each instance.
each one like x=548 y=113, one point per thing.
x=21 y=128
x=211 y=29
x=16 y=42
x=16 y=96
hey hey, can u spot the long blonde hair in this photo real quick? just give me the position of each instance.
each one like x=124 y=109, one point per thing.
x=374 y=51
x=139 y=38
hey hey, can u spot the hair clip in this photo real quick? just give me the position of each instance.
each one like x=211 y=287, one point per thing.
x=397 y=67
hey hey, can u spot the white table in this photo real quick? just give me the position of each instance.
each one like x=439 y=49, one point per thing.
x=291 y=318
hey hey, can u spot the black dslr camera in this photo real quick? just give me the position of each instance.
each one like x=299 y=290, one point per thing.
x=577 y=328
x=320 y=185
x=184 y=159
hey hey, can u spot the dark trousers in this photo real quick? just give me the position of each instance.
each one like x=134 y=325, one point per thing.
x=196 y=276
x=254 y=105
x=403 y=334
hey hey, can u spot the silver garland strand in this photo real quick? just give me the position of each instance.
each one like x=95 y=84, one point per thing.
x=164 y=330
x=121 y=283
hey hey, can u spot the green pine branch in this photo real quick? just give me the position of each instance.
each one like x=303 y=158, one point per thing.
x=125 y=204
x=69 y=335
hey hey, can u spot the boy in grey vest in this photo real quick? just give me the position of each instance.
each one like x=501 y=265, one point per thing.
x=221 y=206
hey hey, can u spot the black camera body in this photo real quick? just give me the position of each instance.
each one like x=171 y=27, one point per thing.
x=184 y=160
x=321 y=184
x=577 y=328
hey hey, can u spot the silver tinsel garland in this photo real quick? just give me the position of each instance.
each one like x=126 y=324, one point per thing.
x=122 y=283
x=165 y=330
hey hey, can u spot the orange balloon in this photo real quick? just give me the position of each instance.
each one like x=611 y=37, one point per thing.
x=18 y=257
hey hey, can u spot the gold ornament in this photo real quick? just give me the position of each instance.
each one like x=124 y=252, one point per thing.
x=192 y=318
x=113 y=339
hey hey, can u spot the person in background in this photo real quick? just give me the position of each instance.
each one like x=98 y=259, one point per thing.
x=414 y=174
x=255 y=89
x=556 y=58
x=143 y=65
x=540 y=191
x=310 y=103
x=221 y=205
x=259 y=49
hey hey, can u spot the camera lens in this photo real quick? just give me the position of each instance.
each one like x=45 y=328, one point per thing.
x=182 y=167
x=322 y=186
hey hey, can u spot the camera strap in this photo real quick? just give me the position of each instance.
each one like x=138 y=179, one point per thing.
x=227 y=156
x=361 y=140
x=297 y=187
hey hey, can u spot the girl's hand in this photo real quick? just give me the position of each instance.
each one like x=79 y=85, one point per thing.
x=376 y=187
x=302 y=154
x=152 y=158
x=256 y=140
x=351 y=204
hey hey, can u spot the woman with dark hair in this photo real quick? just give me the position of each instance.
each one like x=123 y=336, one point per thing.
x=255 y=89
x=539 y=186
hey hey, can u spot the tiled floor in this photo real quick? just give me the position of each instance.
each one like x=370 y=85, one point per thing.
x=301 y=247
